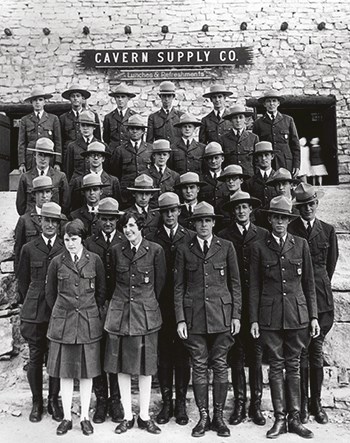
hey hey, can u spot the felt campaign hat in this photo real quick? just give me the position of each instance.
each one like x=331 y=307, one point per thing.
x=237 y=110
x=217 y=89
x=281 y=175
x=232 y=171
x=168 y=200
x=281 y=205
x=188 y=119
x=136 y=121
x=88 y=118
x=241 y=197
x=96 y=147
x=37 y=92
x=52 y=210
x=91 y=181
x=189 y=178
x=213 y=148
x=122 y=90
x=161 y=146
x=271 y=94
x=75 y=88
x=305 y=193
x=143 y=183
x=109 y=206
x=44 y=145
x=42 y=183
x=204 y=209
x=166 y=87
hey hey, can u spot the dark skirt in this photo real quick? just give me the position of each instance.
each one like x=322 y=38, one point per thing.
x=74 y=361
x=136 y=355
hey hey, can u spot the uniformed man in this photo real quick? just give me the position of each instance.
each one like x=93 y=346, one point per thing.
x=173 y=356
x=101 y=244
x=280 y=130
x=238 y=143
x=246 y=351
x=70 y=124
x=187 y=152
x=207 y=301
x=25 y=199
x=96 y=154
x=213 y=124
x=161 y=123
x=283 y=182
x=323 y=245
x=115 y=131
x=35 y=259
x=36 y=125
x=283 y=309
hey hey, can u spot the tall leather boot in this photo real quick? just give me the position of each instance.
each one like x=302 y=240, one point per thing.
x=293 y=407
x=53 y=407
x=240 y=393
x=256 y=387
x=115 y=407
x=316 y=380
x=100 y=388
x=182 y=378
x=304 y=392
x=35 y=379
x=278 y=401
x=165 y=377
x=219 y=398
x=201 y=396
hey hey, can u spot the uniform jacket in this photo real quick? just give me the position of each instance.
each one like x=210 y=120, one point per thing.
x=283 y=135
x=165 y=182
x=152 y=221
x=213 y=191
x=282 y=290
x=27 y=229
x=115 y=132
x=112 y=190
x=25 y=199
x=31 y=129
x=34 y=261
x=323 y=246
x=138 y=282
x=89 y=219
x=74 y=293
x=97 y=244
x=161 y=126
x=183 y=219
x=211 y=129
x=238 y=150
x=207 y=290
x=184 y=160
x=76 y=164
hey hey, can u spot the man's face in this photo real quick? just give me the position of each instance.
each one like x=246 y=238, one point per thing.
x=284 y=187
x=263 y=160
x=271 y=104
x=93 y=195
x=42 y=197
x=238 y=121
x=308 y=210
x=87 y=130
x=167 y=100
x=233 y=183
x=136 y=133
x=187 y=130
x=242 y=213
x=121 y=101
x=96 y=160
x=42 y=160
x=218 y=101
x=142 y=199
x=215 y=162
x=108 y=223
x=73 y=243
x=170 y=217
x=161 y=158
x=279 y=224
x=38 y=104
x=190 y=192
x=76 y=100
x=49 y=226
x=204 y=227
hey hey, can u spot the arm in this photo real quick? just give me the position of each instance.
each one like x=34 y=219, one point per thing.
x=24 y=276
x=333 y=253
x=64 y=193
x=70 y=161
x=106 y=130
x=159 y=271
x=22 y=144
x=234 y=282
x=254 y=284
x=294 y=146
x=308 y=282
x=57 y=139
x=100 y=288
x=150 y=125
x=51 y=287
x=202 y=137
x=21 y=196
x=20 y=239
x=179 y=284
x=97 y=131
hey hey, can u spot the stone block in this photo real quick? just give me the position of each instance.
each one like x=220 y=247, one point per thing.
x=335 y=341
x=342 y=306
x=8 y=291
x=6 y=336
x=340 y=281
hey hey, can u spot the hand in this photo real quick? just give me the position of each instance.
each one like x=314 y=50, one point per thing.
x=57 y=167
x=295 y=172
x=254 y=330
x=315 y=328
x=182 y=330
x=22 y=168
x=235 y=326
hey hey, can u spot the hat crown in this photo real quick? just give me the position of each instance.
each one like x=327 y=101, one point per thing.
x=91 y=180
x=263 y=147
x=161 y=145
x=232 y=170
x=167 y=87
x=44 y=144
x=238 y=109
x=137 y=121
x=203 y=208
x=108 y=204
x=38 y=91
x=51 y=209
x=213 y=148
x=122 y=89
x=189 y=177
x=97 y=147
x=87 y=117
x=143 y=181
x=168 y=199
x=305 y=192
x=281 y=204
x=281 y=174
x=188 y=118
x=42 y=181
x=239 y=195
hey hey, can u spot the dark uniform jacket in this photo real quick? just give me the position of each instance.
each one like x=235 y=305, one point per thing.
x=207 y=291
x=213 y=191
x=161 y=125
x=283 y=135
x=138 y=282
x=34 y=261
x=184 y=160
x=27 y=229
x=165 y=182
x=89 y=219
x=282 y=290
x=25 y=199
x=115 y=132
x=97 y=244
x=323 y=246
x=31 y=129
x=76 y=164
x=212 y=129
x=238 y=150
x=112 y=190
x=183 y=219
x=74 y=293
x=152 y=221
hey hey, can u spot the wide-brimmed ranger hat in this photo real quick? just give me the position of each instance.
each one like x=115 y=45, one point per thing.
x=217 y=89
x=204 y=209
x=241 y=197
x=168 y=200
x=305 y=193
x=263 y=147
x=122 y=90
x=189 y=178
x=213 y=148
x=37 y=92
x=271 y=94
x=233 y=171
x=96 y=148
x=166 y=88
x=42 y=183
x=281 y=175
x=75 y=88
x=109 y=206
x=187 y=119
x=238 y=110
x=88 y=118
x=45 y=146
x=92 y=181
x=143 y=183
x=136 y=121
x=281 y=205
x=52 y=210
x=161 y=145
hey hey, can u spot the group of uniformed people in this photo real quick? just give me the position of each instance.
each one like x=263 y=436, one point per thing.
x=144 y=257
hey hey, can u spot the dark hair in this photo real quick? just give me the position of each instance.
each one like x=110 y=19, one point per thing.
x=140 y=219
x=75 y=227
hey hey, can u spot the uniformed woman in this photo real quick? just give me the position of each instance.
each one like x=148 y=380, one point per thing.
x=134 y=318
x=75 y=291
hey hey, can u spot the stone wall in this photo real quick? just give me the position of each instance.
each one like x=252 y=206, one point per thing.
x=301 y=61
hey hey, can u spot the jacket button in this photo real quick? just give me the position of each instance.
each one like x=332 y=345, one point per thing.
x=205 y=262
x=207 y=286
x=76 y=284
x=283 y=269
x=132 y=287
x=132 y=299
x=284 y=293
x=282 y=257
x=77 y=309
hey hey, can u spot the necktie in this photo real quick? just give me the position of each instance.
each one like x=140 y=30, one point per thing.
x=309 y=228
x=38 y=116
x=190 y=210
x=187 y=144
x=121 y=114
x=171 y=234
x=144 y=212
x=215 y=176
x=161 y=172
x=272 y=117
x=76 y=114
x=41 y=172
x=167 y=112
x=238 y=133
x=281 y=244
x=265 y=176
x=205 y=247
x=218 y=116
x=49 y=245
x=76 y=258
x=108 y=241
x=136 y=146
x=244 y=232
x=133 y=250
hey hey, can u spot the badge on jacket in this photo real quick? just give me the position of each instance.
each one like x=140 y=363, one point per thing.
x=299 y=271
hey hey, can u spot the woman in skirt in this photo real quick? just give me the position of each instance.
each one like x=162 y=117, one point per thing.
x=75 y=292
x=134 y=318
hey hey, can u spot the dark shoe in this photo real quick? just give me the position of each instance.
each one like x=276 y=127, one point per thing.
x=256 y=387
x=148 y=425
x=279 y=427
x=166 y=412
x=219 y=426
x=256 y=415
x=201 y=396
x=203 y=424
x=219 y=397
x=54 y=409
x=165 y=377
x=115 y=410
x=182 y=377
x=86 y=427
x=320 y=414
x=36 y=412
x=304 y=394
x=296 y=427
x=316 y=381
x=180 y=412
x=100 y=411
x=124 y=426
x=238 y=414
x=64 y=427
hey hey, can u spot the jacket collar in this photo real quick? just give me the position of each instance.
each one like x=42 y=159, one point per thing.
x=215 y=246
x=289 y=244
x=141 y=252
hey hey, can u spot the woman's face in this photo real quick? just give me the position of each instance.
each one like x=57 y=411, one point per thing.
x=73 y=243
x=132 y=232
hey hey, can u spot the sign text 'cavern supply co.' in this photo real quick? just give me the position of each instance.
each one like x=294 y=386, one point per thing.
x=161 y=58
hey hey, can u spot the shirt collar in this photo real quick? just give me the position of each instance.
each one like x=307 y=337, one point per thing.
x=46 y=170
x=167 y=111
x=277 y=239
x=268 y=172
x=38 y=210
x=240 y=227
x=305 y=222
x=185 y=140
x=167 y=230
x=136 y=246
x=53 y=239
x=99 y=173
x=218 y=173
x=79 y=255
x=201 y=242
x=111 y=237
x=133 y=143
x=92 y=209
x=272 y=114
x=140 y=210
x=193 y=204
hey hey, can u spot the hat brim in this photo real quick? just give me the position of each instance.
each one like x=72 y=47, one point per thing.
x=167 y=93
x=245 y=113
x=165 y=208
x=135 y=126
x=112 y=213
x=272 y=182
x=143 y=189
x=32 y=97
x=319 y=195
x=198 y=216
x=87 y=153
x=128 y=94
x=255 y=202
x=55 y=216
x=194 y=123
x=213 y=155
x=43 y=188
x=81 y=188
x=264 y=152
x=223 y=178
x=265 y=97
x=210 y=94
x=66 y=94
x=43 y=151
x=179 y=185
x=271 y=211
x=88 y=122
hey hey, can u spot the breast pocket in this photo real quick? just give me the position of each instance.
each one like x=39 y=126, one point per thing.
x=95 y=324
x=220 y=270
x=191 y=271
x=63 y=282
x=36 y=270
x=146 y=275
x=297 y=266
x=283 y=136
x=270 y=268
x=47 y=128
x=89 y=278
x=122 y=274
